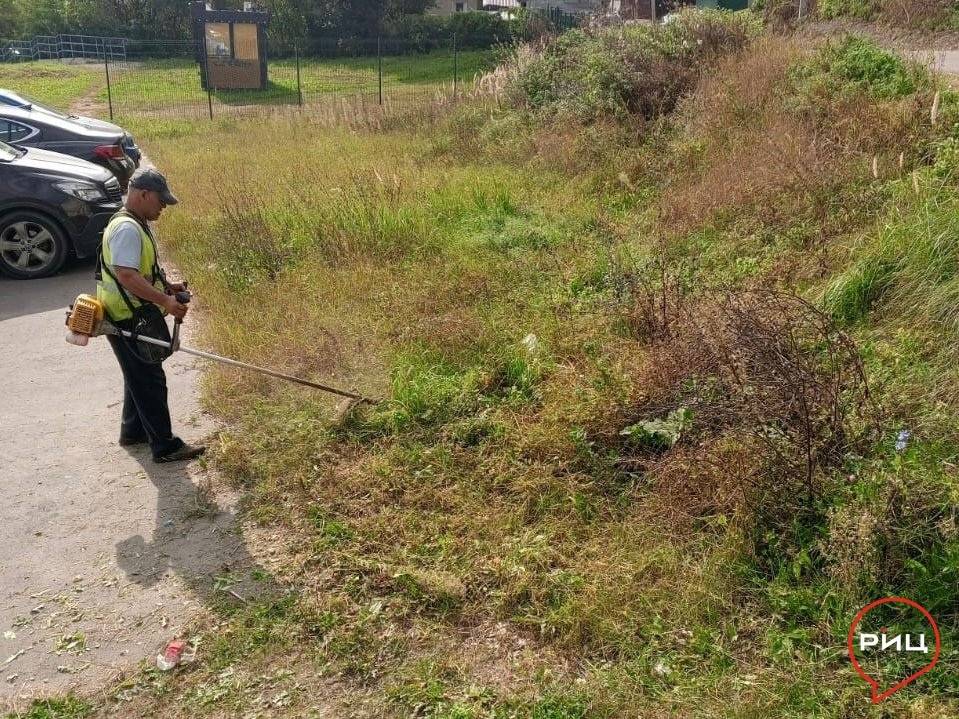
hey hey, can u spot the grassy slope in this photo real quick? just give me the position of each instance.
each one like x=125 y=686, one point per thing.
x=918 y=14
x=53 y=83
x=499 y=538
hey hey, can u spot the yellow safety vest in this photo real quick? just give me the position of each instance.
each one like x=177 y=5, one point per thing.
x=116 y=299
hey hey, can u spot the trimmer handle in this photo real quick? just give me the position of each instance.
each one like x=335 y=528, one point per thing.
x=183 y=297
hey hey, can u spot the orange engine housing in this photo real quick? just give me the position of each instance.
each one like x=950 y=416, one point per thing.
x=85 y=315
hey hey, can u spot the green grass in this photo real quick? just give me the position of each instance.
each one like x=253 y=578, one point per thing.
x=590 y=487
x=68 y=708
x=924 y=16
x=52 y=83
x=172 y=87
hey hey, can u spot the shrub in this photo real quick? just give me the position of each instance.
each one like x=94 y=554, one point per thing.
x=478 y=29
x=422 y=32
x=473 y=30
x=862 y=9
x=778 y=15
x=856 y=65
x=763 y=399
x=529 y=26
x=632 y=73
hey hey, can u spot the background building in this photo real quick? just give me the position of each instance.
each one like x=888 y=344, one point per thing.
x=448 y=7
x=641 y=9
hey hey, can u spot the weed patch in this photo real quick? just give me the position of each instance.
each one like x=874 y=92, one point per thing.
x=68 y=708
x=635 y=73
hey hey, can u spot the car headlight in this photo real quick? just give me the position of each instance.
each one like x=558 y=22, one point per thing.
x=81 y=190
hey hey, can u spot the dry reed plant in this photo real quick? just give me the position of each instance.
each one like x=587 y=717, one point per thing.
x=730 y=109
x=758 y=147
x=496 y=83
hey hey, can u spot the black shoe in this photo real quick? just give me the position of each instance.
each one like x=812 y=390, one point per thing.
x=185 y=452
x=131 y=441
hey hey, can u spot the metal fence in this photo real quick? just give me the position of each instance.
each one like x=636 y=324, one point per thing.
x=560 y=18
x=169 y=80
x=193 y=80
x=88 y=46
x=61 y=47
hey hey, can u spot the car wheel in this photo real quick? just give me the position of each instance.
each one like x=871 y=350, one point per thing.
x=31 y=245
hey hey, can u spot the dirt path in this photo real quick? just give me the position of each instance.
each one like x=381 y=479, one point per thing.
x=945 y=61
x=104 y=555
x=90 y=105
x=892 y=37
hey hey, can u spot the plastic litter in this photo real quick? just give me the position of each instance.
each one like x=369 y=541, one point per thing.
x=176 y=652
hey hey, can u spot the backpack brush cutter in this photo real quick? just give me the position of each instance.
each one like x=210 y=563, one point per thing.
x=86 y=319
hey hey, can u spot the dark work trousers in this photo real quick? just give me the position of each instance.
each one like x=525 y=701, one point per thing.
x=145 y=409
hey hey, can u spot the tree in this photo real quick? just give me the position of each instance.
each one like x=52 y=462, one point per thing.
x=89 y=17
x=170 y=19
x=39 y=17
x=397 y=8
x=10 y=22
x=287 y=21
x=360 y=18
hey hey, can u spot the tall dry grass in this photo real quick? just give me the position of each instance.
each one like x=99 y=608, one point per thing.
x=761 y=150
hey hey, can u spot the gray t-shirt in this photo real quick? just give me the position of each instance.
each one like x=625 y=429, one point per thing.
x=126 y=245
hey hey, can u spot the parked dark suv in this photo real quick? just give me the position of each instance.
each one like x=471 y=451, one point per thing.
x=51 y=205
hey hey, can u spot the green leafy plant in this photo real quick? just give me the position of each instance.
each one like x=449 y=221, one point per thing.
x=862 y=9
x=856 y=64
x=658 y=435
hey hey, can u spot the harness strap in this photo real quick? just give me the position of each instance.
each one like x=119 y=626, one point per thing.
x=156 y=273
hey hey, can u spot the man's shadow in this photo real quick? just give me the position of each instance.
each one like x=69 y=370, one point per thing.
x=194 y=538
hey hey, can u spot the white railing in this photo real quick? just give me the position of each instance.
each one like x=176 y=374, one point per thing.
x=58 y=47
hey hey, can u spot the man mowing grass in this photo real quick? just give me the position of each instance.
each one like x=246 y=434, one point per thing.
x=136 y=295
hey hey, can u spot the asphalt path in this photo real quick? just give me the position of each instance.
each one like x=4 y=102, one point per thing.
x=946 y=61
x=104 y=555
